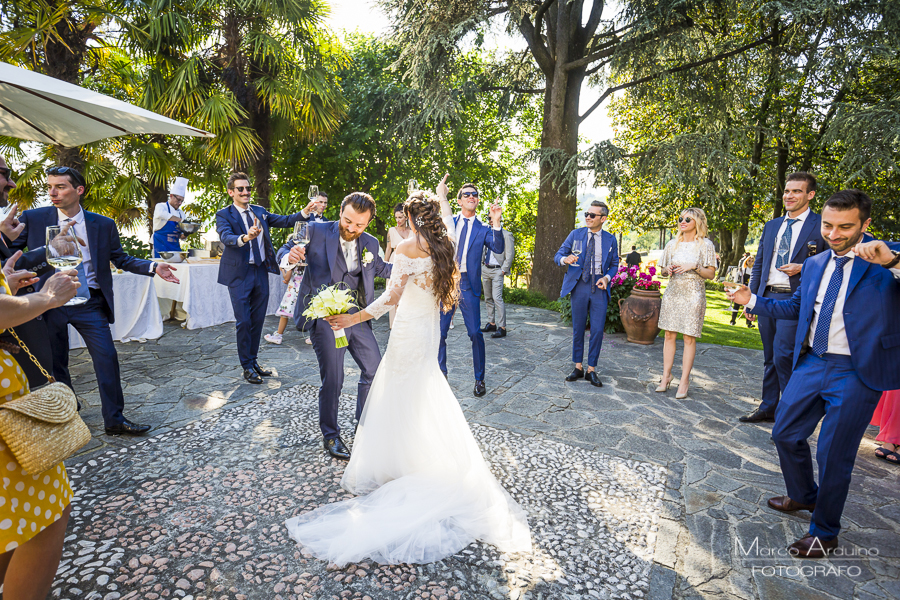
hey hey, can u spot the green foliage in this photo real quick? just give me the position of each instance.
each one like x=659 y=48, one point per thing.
x=135 y=247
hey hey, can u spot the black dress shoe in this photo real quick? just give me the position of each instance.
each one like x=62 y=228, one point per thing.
x=126 y=427
x=489 y=327
x=758 y=416
x=575 y=375
x=251 y=376
x=480 y=389
x=336 y=448
x=593 y=378
x=261 y=371
x=499 y=333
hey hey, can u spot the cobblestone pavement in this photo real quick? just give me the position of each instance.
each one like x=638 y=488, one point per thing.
x=630 y=494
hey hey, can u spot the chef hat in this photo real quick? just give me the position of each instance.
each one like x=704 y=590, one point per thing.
x=179 y=188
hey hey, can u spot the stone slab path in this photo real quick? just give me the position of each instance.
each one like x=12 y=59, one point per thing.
x=630 y=494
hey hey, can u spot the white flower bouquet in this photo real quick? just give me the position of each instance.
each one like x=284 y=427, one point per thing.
x=328 y=301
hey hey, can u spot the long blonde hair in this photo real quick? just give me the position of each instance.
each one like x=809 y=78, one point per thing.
x=702 y=228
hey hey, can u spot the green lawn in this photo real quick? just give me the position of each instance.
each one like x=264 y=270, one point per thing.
x=717 y=327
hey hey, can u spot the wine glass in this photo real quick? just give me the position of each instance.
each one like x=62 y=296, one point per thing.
x=313 y=192
x=301 y=235
x=64 y=253
x=412 y=187
x=576 y=250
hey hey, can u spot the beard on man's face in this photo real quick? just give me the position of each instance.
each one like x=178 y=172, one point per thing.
x=347 y=235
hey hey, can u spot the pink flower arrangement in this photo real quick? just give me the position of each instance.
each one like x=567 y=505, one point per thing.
x=633 y=277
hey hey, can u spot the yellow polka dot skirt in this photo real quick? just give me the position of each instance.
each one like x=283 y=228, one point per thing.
x=28 y=503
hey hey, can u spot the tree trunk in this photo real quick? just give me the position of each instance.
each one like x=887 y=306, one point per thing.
x=156 y=195
x=556 y=203
x=781 y=152
x=261 y=122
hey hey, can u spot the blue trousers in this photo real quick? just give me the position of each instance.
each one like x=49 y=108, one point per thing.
x=364 y=350
x=585 y=303
x=778 y=355
x=470 y=305
x=822 y=387
x=90 y=320
x=249 y=299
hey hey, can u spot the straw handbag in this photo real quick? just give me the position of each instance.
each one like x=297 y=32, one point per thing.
x=42 y=428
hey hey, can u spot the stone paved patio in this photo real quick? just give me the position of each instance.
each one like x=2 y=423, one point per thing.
x=229 y=461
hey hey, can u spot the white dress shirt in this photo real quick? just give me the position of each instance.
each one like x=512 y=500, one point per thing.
x=163 y=212
x=258 y=240
x=350 y=251
x=459 y=227
x=90 y=275
x=776 y=277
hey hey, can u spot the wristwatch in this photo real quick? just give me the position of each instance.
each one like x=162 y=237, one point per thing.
x=893 y=262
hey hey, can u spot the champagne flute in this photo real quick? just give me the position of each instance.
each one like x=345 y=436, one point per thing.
x=64 y=253
x=313 y=193
x=576 y=250
x=301 y=235
x=412 y=187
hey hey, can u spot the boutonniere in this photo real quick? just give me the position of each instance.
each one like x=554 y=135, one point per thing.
x=367 y=257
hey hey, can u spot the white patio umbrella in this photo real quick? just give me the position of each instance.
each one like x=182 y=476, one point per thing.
x=43 y=109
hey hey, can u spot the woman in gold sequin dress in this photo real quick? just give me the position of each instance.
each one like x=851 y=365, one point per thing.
x=34 y=509
x=689 y=260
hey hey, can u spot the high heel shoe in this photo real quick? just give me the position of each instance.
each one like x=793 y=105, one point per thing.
x=664 y=386
x=681 y=396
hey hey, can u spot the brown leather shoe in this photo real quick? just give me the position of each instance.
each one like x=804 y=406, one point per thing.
x=785 y=504
x=812 y=547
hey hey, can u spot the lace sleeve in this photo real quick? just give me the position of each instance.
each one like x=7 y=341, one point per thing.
x=403 y=268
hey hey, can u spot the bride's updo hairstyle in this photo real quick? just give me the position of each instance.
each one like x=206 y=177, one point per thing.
x=425 y=215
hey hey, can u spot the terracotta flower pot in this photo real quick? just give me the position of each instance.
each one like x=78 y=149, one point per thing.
x=640 y=315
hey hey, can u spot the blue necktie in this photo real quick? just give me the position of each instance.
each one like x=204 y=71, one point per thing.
x=257 y=259
x=820 y=338
x=462 y=241
x=588 y=269
x=784 y=246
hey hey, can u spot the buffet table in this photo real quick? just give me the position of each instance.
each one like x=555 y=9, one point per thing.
x=137 y=311
x=205 y=301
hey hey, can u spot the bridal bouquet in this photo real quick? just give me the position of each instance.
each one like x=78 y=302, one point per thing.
x=331 y=300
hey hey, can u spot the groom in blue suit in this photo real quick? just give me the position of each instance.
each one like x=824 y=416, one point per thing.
x=246 y=262
x=340 y=252
x=588 y=280
x=785 y=244
x=473 y=237
x=846 y=353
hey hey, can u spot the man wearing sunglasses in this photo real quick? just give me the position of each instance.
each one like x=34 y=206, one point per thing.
x=473 y=237
x=246 y=262
x=587 y=279
x=784 y=246
x=100 y=245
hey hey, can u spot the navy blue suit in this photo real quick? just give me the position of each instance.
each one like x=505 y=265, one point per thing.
x=842 y=389
x=326 y=265
x=92 y=318
x=480 y=237
x=778 y=335
x=248 y=284
x=587 y=299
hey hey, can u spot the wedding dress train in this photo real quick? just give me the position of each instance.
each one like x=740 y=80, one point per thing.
x=426 y=490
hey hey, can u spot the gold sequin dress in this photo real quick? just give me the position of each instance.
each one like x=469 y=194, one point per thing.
x=28 y=503
x=684 y=301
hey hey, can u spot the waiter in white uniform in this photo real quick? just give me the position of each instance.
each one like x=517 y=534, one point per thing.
x=167 y=236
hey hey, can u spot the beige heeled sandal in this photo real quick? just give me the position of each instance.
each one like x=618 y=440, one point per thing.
x=664 y=386
x=681 y=396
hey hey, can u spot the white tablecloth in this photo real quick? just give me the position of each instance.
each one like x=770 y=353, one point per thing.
x=206 y=302
x=137 y=311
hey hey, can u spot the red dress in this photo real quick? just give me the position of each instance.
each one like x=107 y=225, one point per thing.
x=887 y=417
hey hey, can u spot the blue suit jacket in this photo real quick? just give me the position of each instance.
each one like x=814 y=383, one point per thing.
x=323 y=267
x=235 y=260
x=481 y=237
x=870 y=317
x=103 y=241
x=573 y=274
x=810 y=232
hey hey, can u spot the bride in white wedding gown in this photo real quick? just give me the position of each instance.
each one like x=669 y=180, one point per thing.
x=425 y=489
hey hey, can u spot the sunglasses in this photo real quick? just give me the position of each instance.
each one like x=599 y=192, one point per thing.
x=590 y=215
x=67 y=171
x=467 y=194
x=684 y=219
x=242 y=188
